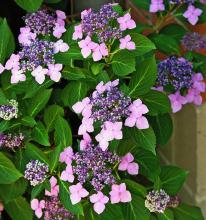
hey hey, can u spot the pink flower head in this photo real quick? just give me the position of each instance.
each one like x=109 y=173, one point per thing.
x=26 y=36
x=85 y=13
x=13 y=62
x=79 y=106
x=85 y=142
x=86 y=126
x=99 y=201
x=1 y=207
x=37 y=206
x=126 y=43
x=78 y=33
x=126 y=22
x=77 y=193
x=54 y=187
x=58 y=30
x=61 y=14
x=66 y=156
x=177 y=101
x=54 y=71
x=39 y=74
x=99 y=52
x=128 y=164
x=1 y=68
x=67 y=175
x=87 y=46
x=60 y=46
x=157 y=5
x=17 y=76
x=138 y=109
x=192 y=14
x=119 y=193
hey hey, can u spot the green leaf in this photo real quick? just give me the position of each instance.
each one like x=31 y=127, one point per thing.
x=29 y=5
x=145 y=138
x=142 y=43
x=36 y=190
x=19 y=209
x=163 y=128
x=166 y=215
x=135 y=210
x=3 y=99
x=74 y=92
x=112 y=211
x=6 y=41
x=142 y=80
x=75 y=73
x=40 y=135
x=63 y=134
x=157 y=102
x=51 y=114
x=143 y=4
x=172 y=179
x=123 y=63
x=28 y=121
x=8 y=173
x=38 y=102
x=54 y=157
x=135 y=188
x=65 y=199
x=12 y=191
x=97 y=68
x=33 y=152
x=187 y=212
x=4 y=125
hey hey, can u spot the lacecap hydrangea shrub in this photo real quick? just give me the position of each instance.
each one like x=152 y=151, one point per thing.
x=82 y=120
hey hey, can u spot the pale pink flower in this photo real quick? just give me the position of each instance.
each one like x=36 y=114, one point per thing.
x=12 y=62
x=85 y=142
x=113 y=130
x=177 y=101
x=77 y=192
x=128 y=164
x=78 y=34
x=60 y=46
x=17 y=76
x=39 y=74
x=99 y=201
x=1 y=68
x=86 y=126
x=119 y=193
x=54 y=187
x=192 y=14
x=58 y=30
x=61 y=14
x=37 y=206
x=99 y=52
x=103 y=140
x=67 y=175
x=126 y=43
x=126 y=22
x=66 y=156
x=79 y=106
x=54 y=71
x=111 y=84
x=157 y=5
x=1 y=207
x=26 y=36
x=87 y=46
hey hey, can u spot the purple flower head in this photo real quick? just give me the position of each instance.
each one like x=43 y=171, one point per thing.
x=175 y=72
x=156 y=201
x=181 y=1
x=11 y=141
x=174 y=202
x=36 y=172
x=7 y=112
x=38 y=53
x=194 y=41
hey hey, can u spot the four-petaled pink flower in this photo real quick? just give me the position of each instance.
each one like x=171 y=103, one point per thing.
x=177 y=101
x=26 y=36
x=37 y=206
x=60 y=46
x=58 y=30
x=17 y=76
x=54 y=71
x=54 y=187
x=61 y=14
x=1 y=68
x=39 y=74
x=136 y=117
x=85 y=142
x=126 y=22
x=80 y=106
x=78 y=34
x=87 y=46
x=66 y=156
x=119 y=193
x=67 y=175
x=156 y=5
x=192 y=14
x=86 y=126
x=126 y=43
x=128 y=164
x=99 y=52
x=77 y=193
x=99 y=201
x=12 y=62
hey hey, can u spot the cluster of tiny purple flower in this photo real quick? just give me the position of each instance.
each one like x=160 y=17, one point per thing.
x=7 y=112
x=11 y=141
